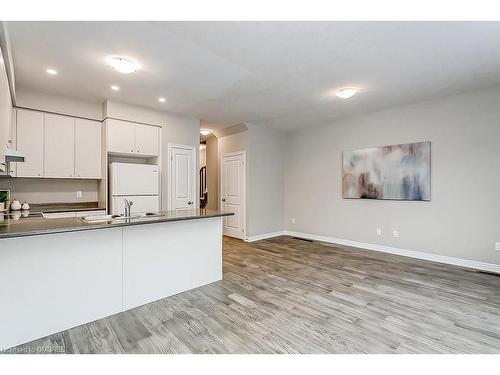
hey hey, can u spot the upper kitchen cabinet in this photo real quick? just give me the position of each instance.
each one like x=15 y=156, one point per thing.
x=147 y=139
x=59 y=147
x=30 y=139
x=130 y=138
x=121 y=136
x=87 y=149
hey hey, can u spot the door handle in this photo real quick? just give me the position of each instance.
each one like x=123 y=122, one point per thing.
x=190 y=203
x=223 y=199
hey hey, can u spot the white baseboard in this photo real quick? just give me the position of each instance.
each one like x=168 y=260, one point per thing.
x=490 y=267
x=265 y=236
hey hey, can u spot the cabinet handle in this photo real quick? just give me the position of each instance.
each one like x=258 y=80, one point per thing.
x=131 y=150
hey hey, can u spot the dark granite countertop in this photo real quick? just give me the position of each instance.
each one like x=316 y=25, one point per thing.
x=37 y=225
x=65 y=207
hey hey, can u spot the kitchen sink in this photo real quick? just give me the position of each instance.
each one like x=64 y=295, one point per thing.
x=107 y=218
x=151 y=214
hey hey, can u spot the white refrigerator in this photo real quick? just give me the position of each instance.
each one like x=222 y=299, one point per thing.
x=138 y=183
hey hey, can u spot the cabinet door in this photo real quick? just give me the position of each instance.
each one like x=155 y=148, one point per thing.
x=121 y=136
x=30 y=125
x=59 y=146
x=87 y=149
x=146 y=139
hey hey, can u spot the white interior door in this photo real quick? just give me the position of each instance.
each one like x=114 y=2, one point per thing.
x=182 y=171
x=233 y=193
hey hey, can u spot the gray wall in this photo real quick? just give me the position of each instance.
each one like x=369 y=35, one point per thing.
x=266 y=164
x=463 y=218
x=50 y=190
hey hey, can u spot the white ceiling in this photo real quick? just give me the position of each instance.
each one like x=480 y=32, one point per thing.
x=281 y=74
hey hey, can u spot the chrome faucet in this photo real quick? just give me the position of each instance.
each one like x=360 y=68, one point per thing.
x=128 y=204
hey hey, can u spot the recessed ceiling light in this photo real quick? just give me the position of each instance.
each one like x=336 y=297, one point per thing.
x=205 y=132
x=115 y=88
x=162 y=100
x=51 y=71
x=122 y=65
x=346 y=93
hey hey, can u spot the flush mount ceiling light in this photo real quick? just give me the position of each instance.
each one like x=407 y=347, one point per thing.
x=205 y=132
x=346 y=93
x=51 y=71
x=162 y=100
x=115 y=88
x=122 y=65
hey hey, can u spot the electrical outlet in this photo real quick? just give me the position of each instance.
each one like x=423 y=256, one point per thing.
x=395 y=234
x=79 y=194
x=497 y=246
x=293 y=220
x=379 y=231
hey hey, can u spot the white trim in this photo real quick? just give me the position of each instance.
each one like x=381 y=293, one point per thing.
x=229 y=154
x=171 y=180
x=264 y=236
x=490 y=267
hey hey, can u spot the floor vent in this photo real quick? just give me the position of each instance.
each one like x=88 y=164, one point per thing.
x=489 y=273
x=302 y=239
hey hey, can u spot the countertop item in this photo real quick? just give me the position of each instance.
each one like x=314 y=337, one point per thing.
x=34 y=225
x=15 y=205
x=64 y=207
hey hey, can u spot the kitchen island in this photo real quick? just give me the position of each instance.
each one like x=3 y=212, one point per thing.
x=59 y=273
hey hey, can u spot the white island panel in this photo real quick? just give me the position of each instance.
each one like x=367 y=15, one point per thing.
x=53 y=282
x=163 y=259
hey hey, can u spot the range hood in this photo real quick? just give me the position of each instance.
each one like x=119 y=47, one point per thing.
x=8 y=156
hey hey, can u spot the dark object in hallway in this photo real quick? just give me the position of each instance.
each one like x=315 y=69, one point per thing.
x=203 y=187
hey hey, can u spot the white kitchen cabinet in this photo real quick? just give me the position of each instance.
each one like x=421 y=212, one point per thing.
x=30 y=140
x=59 y=147
x=87 y=149
x=121 y=136
x=146 y=140
x=129 y=138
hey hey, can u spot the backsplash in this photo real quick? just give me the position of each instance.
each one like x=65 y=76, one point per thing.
x=48 y=190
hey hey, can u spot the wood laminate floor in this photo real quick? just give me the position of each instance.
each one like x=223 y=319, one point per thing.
x=287 y=295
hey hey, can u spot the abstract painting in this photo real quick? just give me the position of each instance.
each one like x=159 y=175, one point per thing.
x=398 y=172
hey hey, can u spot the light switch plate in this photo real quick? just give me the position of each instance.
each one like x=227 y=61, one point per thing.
x=379 y=231
x=395 y=233
x=79 y=194
x=497 y=246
